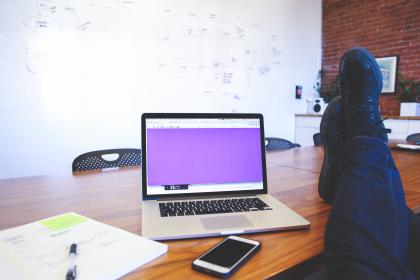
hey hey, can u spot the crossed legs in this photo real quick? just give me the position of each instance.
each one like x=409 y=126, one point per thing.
x=370 y=234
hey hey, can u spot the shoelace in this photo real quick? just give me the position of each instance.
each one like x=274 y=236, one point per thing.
x=371 y=129
x=386 y=130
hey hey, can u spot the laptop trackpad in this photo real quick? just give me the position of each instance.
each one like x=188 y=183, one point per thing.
x=225 y=222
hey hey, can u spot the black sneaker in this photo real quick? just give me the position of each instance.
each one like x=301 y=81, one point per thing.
x=332 y=130
x=361 y=86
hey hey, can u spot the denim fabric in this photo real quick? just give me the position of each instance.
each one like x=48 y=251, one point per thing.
x=367 y=233
x=414 y=244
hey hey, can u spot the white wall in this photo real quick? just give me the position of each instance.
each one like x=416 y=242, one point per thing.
x=76 y=75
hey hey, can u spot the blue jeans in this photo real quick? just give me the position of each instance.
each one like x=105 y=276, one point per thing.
x=371 y=233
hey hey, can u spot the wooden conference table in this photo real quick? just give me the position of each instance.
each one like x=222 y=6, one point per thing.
x=113 y=197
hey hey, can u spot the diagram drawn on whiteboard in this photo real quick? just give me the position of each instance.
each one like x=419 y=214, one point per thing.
x=223 y=58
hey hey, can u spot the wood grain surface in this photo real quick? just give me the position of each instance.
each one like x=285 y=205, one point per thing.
x=113 y=197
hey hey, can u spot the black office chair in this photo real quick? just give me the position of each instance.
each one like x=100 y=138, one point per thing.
x=98 y=159
x=317 y=139
x=413 y=139
x=278 y=144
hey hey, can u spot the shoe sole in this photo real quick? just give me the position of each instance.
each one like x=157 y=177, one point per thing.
x=324 y=185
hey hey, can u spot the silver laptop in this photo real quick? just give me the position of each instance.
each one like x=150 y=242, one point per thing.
x=205 y=175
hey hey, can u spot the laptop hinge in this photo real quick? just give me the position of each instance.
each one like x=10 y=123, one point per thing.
x=205 y=197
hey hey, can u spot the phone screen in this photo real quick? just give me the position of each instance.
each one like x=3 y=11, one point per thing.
x=227 y=253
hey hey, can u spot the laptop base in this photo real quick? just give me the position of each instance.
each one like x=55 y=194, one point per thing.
x=181 y=227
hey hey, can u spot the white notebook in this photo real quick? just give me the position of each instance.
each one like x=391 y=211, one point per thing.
x=408 y=146
x=40 y=250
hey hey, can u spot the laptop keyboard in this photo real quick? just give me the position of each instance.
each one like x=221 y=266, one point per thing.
x=203 y=207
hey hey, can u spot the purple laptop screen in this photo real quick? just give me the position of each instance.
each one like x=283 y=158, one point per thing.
x=203 y=156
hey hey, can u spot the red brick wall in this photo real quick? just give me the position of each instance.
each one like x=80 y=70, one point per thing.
x=385 y=27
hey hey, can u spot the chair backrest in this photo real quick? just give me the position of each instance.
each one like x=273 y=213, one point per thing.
x=317 y=139
x=278 y=144
x=98 y=159
x=413 y=139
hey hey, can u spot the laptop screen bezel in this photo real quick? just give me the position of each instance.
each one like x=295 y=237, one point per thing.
x=147 y=116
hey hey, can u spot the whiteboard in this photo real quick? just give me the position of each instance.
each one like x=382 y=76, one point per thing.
x=77 y=74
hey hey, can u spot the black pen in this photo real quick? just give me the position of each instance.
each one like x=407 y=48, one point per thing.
x=71 y=271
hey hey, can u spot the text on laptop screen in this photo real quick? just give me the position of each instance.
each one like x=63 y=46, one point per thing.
x=203 y=155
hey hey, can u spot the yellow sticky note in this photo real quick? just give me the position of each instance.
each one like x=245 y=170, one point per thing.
x=63 y=221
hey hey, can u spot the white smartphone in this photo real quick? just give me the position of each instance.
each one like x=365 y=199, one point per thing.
x=226 y=257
